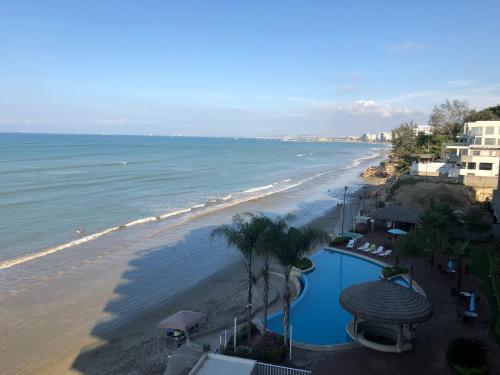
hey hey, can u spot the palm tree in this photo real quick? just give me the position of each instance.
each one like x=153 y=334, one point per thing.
x=243 y=235
x=411 y=246
x=459 y=251
x=438 y=226
x=267 y=246
x=294 y=244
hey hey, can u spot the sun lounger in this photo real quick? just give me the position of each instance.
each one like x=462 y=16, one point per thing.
x=385 y=253
x=365 y=246
x=350 y=244
x=379 y=250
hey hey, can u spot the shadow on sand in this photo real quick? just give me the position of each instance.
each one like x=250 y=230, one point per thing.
x=127 y=342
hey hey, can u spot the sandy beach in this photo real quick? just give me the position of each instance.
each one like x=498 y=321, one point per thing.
x=104 y=309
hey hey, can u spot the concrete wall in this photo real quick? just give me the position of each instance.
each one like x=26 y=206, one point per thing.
x=483 y=186
x=434 y=169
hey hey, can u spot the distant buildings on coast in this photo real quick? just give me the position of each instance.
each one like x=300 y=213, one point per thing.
x=382 y=137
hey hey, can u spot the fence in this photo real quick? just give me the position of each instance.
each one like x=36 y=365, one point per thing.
x=266 y=369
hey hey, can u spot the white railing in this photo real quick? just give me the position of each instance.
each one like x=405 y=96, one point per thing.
x=266 y=369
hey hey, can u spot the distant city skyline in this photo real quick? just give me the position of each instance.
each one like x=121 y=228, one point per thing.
x=253 y=69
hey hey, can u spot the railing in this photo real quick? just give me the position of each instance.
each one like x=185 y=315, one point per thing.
x=266 y=369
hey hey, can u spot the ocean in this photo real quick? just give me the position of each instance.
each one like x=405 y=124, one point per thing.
x=54 y=184
x=147 y=206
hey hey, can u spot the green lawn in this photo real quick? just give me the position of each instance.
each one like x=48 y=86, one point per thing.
x=480 y=268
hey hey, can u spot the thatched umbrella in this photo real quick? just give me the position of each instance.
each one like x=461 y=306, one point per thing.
x=386 y=302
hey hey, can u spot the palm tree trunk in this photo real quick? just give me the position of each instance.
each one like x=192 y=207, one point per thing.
x=265 y=276
x=286 y=309
x=411 y=275
x=249 y=300
x=459 y=274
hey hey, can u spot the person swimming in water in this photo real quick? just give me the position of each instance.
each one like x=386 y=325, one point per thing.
x=79 y=231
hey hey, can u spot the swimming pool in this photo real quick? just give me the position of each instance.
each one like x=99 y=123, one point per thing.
x=317 y=317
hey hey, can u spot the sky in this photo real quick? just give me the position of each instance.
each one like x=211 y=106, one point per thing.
x=242 y=68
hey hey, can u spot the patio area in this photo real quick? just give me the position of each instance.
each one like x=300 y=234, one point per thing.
x=429 y=353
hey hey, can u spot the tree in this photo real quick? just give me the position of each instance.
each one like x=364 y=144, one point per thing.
x=449 y=117
x=438 y=227
x=411 y=246
x=487 y=114
x=458 y=251
x=243 y=235
x=267 y=247
x=294 y=244
x=404 y=143
x=478 y=223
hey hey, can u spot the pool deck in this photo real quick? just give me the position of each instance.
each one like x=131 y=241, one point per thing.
x=429 y=353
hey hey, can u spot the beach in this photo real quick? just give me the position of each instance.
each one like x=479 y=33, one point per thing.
x=96 y=312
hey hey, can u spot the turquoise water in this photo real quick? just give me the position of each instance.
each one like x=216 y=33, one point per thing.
x=317 y=317
x=53 y=184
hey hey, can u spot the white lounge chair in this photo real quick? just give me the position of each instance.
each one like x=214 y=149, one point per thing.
x=350 y=244
x=386 y=253
x=379 y=250
x=365 y=246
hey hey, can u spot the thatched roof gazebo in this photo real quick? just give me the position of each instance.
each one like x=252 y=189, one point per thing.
x=384 y=303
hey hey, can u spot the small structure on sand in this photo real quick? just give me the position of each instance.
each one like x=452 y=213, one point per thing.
x=385 y=314
x=181 y=323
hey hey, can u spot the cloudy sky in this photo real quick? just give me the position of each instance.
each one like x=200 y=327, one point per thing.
x=241 y=68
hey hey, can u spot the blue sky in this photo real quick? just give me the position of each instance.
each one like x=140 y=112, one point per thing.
x=244 y=68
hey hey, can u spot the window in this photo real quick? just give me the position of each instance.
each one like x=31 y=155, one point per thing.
x=484 y=153
x=477 y=130
x=464 y=165
x=490 y=130
x=471 y=165
x=476 y=152
x=477 y=140
x=489 y=141
x=463 y=151
x=485 y=166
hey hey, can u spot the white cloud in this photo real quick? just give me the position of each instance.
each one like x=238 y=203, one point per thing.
x=347 y=88
x=461 y=83
x=407 y=45
x=365 y=107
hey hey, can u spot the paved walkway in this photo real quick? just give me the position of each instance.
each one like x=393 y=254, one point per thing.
x=429 y=353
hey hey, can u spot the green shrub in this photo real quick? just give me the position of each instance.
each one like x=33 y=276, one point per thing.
x=339 y=241
x=388 y=272
x=467 y=356
x=304 y=264
x=241 y=335
x=269 y=349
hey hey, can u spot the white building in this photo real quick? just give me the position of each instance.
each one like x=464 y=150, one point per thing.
x=478 y=153
x=425 y=129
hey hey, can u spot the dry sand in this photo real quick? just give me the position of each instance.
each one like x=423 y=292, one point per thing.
x=133 y=347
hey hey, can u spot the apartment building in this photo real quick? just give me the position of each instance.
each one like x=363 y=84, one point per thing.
x=477 y=151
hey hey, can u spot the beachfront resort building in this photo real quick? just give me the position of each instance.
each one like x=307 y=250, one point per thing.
x=477 y=152
x=474 y=159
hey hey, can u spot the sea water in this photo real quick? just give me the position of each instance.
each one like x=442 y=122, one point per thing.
x=53 y=185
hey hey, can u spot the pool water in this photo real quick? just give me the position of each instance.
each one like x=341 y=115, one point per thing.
x=317 y=317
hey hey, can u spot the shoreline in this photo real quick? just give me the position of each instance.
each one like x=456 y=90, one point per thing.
x=133 y=340
x=187 y=213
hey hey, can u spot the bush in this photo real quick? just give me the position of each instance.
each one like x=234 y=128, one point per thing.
x=467 y=356
x=304 y=264
x=241 y=335
x=339 y=241
x=388 y=272
x=269 y=349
